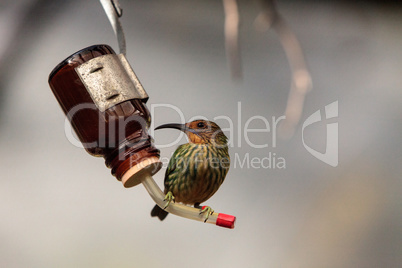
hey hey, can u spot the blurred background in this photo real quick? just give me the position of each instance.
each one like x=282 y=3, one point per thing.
x=60 y=207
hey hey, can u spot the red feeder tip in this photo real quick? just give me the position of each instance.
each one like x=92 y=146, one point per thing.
x=225 y=220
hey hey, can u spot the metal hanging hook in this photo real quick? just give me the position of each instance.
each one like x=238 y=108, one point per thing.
x=117 y=8
x=114 y=12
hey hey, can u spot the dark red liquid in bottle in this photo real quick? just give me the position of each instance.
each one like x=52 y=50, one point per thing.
x=119 y=134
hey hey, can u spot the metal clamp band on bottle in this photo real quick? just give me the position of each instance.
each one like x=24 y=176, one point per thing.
x=110 y=80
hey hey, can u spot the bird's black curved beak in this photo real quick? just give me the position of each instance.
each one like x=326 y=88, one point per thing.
x=181 y=127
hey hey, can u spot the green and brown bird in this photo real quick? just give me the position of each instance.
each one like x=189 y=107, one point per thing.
x=198 y=168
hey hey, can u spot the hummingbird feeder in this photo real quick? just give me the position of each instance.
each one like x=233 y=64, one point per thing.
x=106 y=106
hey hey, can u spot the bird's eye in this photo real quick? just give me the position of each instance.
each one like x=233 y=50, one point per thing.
x=200 y=124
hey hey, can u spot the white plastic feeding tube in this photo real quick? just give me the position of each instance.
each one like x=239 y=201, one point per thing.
x=220 y=219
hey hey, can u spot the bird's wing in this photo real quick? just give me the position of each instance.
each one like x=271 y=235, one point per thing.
x=171 y=171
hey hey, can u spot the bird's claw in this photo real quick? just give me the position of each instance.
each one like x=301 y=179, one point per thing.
x=208 y=210
x=169 y=197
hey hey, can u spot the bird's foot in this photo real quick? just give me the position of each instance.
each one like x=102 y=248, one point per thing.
x=169 y=197
x=208 y=210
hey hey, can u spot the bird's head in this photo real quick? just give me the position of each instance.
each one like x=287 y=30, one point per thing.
x=200 y=131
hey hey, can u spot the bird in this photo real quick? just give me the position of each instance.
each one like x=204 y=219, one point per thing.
x=197 y=169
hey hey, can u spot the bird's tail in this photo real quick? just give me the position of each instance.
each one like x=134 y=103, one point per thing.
x=158 y=212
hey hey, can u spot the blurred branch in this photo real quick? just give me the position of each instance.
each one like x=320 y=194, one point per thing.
x=301 y=79
x=232 y=37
